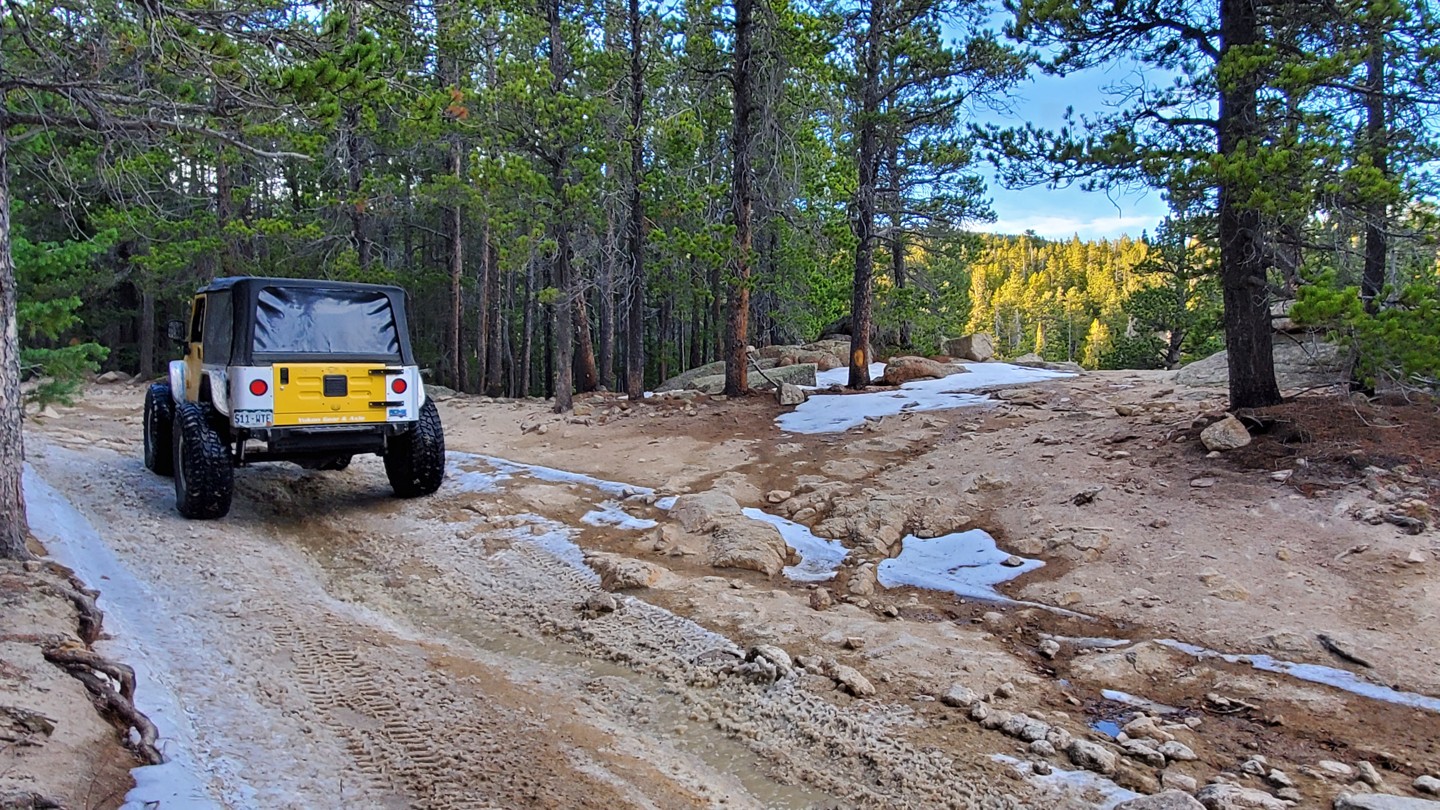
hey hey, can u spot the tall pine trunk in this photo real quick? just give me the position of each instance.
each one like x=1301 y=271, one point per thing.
x=862 y=293
x=496 y=332
x=635 y=232
x=13 y=525
x=1248 y=340
x=738 y=286
x=1377 y=212
x=563 y=329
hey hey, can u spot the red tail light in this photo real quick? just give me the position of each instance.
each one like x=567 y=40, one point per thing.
x=259 y=387
x=399 y=386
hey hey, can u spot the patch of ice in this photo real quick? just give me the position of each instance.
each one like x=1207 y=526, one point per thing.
x=1092 y=788
x=459 y=477
x=1137 y=701
x=130 y=616
x=841 y=376
x=610 y=513
x=819 y=558
x=666 y=503
x=1314 y=673
x=965 y=564
x=504 y=468
x=555 y=539
x=834 y=413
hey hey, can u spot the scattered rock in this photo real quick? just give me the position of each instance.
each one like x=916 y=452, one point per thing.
x=1042 y=748
x=1177 y=751
x=979 y=710
x=602 y=602
x=1255 y=766
x=1041 y=767
x=1334 y=768
x=1013 y=561
x=1088 y=495
x=1427 y=784
x=1049 y=648
x=905 y=368
x=1093 y=757
x=852 y=681
x=1145 y=727
x=1368 y=774
x=778 y=495
x=862 y=580
x=1025 y=728
x=1227 y=434
x=820 y=599
x=1279 y=778
x=1169 y=800
x=1202 y=483
x=112 y=377
x=1380 y=801
x=1223 y=796
x=1005 y=690
x=619 y=573
x=1179 y=781
x=791 y=394
x=961 y=696
x=1300 y=362
x=769 y=652
x=978 y=347
x=1143 y=750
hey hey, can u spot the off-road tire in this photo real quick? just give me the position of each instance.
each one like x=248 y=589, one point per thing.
x=159 y=421
x=415 y=460
x=204 y=477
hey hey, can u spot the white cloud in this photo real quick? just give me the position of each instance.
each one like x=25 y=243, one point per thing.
x=1062 y=227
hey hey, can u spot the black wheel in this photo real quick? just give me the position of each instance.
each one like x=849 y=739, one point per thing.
x=159 y=416
x=415 y=461
x=337 y=463
x=204 y=477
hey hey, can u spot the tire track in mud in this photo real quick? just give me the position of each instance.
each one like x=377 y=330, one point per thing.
x=431 y=737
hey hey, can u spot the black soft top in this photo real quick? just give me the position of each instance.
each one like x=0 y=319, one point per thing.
x=253 y=320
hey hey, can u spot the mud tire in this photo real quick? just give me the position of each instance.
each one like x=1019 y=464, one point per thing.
x=204 y=477
x=415 y=461
x=159 y=424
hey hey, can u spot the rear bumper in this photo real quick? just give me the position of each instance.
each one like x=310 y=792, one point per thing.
x=299 y=443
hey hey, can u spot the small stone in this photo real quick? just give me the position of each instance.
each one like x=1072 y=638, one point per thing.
x=1282 y=554
x=992 y=617
x=854 y=643
x=603 y=602
x=1005 y=690
x=1042 y=748
x=1289 y=794
x=1427 y=784
x=1168 y=800
x=1145 y=727
x=32 y=566
x=1225 y=796
x=1040 y=767
x=1334 y=768
x=979 y=710
x=1049 y=648
x=1093 y=757
x=778 y=495
x=791 y=394
x=1202 y=483
x=1143 y=750
x=1281 y=475
x=994 y=719
x=1279 y=778
x=1227 y=434
x=1368 y=774
x=820 y=599
x=1015 y=562
x=961 y=696
x=1416 y=556
x=852 y=681
x=1179 y=781
x=1178 y=751
x=1255 y=766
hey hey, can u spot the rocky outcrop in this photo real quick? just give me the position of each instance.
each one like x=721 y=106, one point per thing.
x=1301 y=361
x=978 y=347
x=799 y=374
x=1169 y=800
x=620 y=573
x=1033 y=360
x=733 y=540
x=905 y=368
x=1223 y=796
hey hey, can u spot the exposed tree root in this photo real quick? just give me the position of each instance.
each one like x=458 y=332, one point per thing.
x=26 y=800
x=88 y=667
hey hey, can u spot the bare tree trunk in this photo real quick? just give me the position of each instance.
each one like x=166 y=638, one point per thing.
x=457 y=276
x=147 y=334
x=587 y=378
x=527 y=331
x=862 y=294
x=355 y=206
x=897 y=240
x=494 y=360
x=1377 y=213
x=737 y=323
x=1248 y=339
x=606 y=299
x=635 y=232
x=564 y=328
x=13 y=525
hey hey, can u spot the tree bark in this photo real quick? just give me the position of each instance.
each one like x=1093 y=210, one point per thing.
x=587 y=378
x=897 y=240
x=1248 y=340
x=456 y=257
x=635 y=236
x=494 y=361
x=13 y=524
x=564 y=328
x=737 y=291
x=1377 y=212
x=527 y=332
x=147 y=334
x=862 y=293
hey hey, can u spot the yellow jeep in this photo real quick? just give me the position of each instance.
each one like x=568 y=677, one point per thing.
x=277 y=369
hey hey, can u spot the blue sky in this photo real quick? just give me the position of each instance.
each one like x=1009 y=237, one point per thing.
x=1061 y=213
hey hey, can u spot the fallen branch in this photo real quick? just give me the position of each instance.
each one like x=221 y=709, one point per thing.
x=88 y=667
x=1341 y=653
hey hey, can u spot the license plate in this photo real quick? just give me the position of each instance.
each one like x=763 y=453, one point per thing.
x=254 y=418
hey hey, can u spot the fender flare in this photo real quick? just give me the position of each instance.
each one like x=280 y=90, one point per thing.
x=177 y=380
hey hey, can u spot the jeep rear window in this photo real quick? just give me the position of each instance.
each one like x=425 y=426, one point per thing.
x=310 y=320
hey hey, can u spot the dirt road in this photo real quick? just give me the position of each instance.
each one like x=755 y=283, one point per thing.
x=328 y=646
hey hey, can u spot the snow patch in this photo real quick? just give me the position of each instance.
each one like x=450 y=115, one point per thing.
x=966 y=564
x=504 y=469
x=819 y=558
x=132 y=613
x=1090 y=787
x=611 y=513
x=834 y=413
x=1314 y=673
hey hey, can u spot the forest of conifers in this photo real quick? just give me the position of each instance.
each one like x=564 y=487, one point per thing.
x=567 y=187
